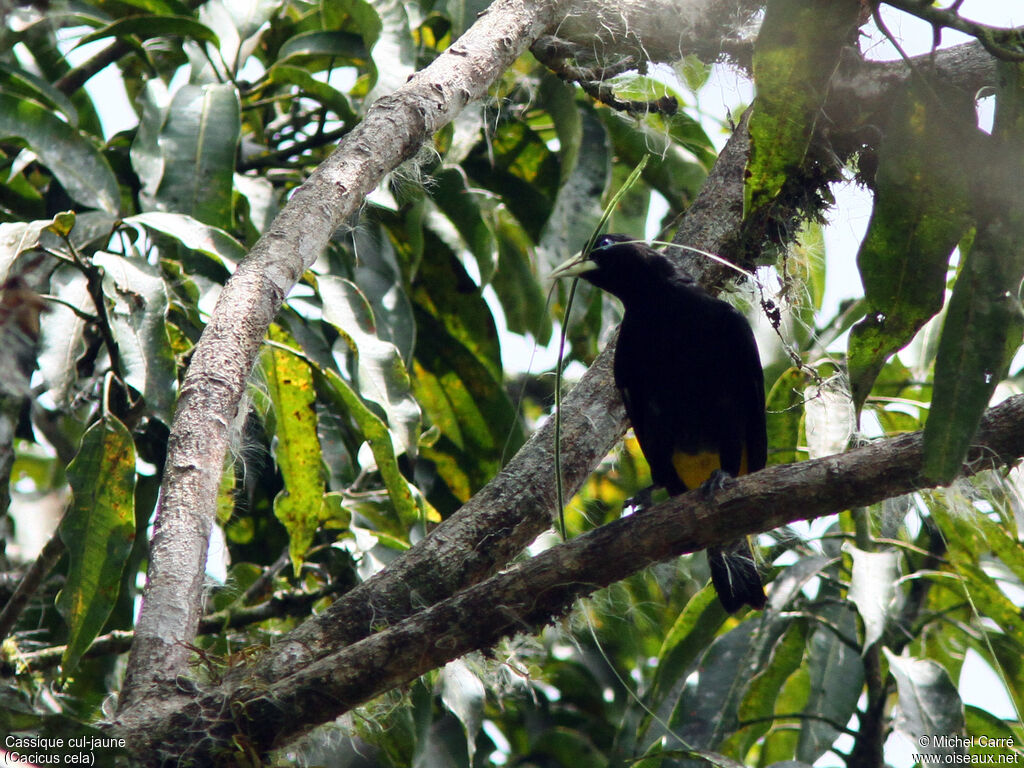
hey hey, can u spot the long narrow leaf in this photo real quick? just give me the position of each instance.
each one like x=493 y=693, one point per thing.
x=98 y=530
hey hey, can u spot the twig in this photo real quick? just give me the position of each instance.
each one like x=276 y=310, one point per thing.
x=119 y=641
x=994 y=39
x=30 y=582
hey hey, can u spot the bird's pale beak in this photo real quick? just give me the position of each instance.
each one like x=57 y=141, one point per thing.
x=574 y=267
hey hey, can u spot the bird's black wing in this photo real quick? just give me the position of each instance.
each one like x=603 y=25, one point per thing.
x=748 y=393
x=692 y=383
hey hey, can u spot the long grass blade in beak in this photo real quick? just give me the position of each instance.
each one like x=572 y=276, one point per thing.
x=574 y=267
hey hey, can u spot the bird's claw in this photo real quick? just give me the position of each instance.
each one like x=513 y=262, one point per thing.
x=719 y=479
x=639 y=501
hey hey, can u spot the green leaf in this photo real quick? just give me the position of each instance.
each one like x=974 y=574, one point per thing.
x=558 y=99
x=62 y=339
x=461 y=206
x=467 y=403
x=1005 y=654
x=775 y=654
x=519 y=289
x=316 y=51
x=520 y=168
x=983 y=324
x=634 y=205
x=70 y=156
x=785 y=417
x=763 y=695
x=694 y=72
x=675 y=176
x=146 y=157
x=689 y=635
x=966 y=535
x=249 y=17
x=377 y=436
x=98 y=531
x=19 y=81
x=300 y=505
x=636 y=87
x=330 y=97
x=15 y=239
x=804 y=270
x=566 y=746
x=353 y=16
x=137 y=309
x=238 y=26
x=1003 y=540
x=262 y=201
x=795 y=56
x=198 y=142
x=394 y=52
x=379 y=374
x=62 y=224
x=386 y=255
x=836 y=676
x=146 y=26
x=922 y=209
x=48 y=58
x=167 y=7
x=780 y=744
x=982 y=723
x=223 y=251
x=577 y=209
x=705 y=716
x=445 y=290
x=981 y=332
x=463 y=694
x=929 y=704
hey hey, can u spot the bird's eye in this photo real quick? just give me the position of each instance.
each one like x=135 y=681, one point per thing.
x=604 y=241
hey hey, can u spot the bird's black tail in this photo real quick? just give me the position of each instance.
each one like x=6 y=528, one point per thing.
x=734 y=574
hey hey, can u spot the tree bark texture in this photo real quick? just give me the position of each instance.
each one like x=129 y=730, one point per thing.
x=395 y=127
x=531 y=594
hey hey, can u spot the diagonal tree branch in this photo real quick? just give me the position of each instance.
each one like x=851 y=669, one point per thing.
x=531 y=594
x=392 y=131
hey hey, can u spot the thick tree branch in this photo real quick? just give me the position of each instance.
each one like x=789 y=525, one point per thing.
x=529 y=595
x=392 y=131
x=598 y=31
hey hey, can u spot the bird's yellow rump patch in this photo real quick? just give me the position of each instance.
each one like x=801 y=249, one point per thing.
x=695 y=469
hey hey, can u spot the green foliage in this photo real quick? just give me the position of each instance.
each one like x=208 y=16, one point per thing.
x=67 y=154
x=383 y=401
x=983 y=320
x=300 y=505
x=796 y=54
x=922 y=212
x=98 y=531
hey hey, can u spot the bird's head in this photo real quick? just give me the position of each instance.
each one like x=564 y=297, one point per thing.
x=621 y=265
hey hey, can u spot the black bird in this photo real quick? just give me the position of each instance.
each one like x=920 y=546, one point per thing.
x=690 y=376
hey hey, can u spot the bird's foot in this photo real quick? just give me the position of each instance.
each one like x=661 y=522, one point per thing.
x=719 y=479
x=640 y=501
